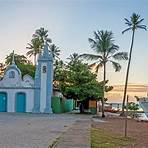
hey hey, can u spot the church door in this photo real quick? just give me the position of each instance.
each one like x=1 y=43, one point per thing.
x=3 y=102
x=20 y=103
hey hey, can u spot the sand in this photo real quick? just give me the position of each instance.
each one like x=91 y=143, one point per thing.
x=136 y=129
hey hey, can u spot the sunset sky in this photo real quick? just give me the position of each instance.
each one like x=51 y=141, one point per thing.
x=71 y=23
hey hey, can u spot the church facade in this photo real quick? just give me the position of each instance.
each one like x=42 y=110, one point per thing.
x=25 y=94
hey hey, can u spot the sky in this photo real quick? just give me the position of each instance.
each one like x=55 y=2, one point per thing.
x=70 y=23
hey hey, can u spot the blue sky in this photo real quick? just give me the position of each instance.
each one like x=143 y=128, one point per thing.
x=71 y=23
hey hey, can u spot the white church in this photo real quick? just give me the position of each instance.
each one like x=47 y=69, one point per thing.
x=25 y=94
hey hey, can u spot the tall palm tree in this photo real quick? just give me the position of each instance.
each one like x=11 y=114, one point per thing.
x=54 y=51
x=35 y=48
x=133 y=24
x=42 y=34
x=106 y=51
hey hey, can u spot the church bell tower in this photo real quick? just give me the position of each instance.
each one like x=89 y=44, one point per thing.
x=43 y=82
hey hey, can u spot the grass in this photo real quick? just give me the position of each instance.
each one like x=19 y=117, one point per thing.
x=101 y=138
x=54 y=143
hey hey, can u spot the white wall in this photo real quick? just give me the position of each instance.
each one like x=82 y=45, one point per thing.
x=11 y=94
x=43 y=89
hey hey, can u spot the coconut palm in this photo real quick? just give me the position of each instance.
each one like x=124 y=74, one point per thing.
x=133 y=24
x=42 y=34
x=54 y=51
x=35 y=48
x=106 y=51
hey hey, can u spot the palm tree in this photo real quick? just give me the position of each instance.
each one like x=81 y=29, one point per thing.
x=106 y=51
x=42 y=34
x=133 y=24
x=54 y=51
x=35 y=48
x=19 y=59
x=74 y=57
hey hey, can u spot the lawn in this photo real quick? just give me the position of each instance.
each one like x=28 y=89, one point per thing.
x=101 y=138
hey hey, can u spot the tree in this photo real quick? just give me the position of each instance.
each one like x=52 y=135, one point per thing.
x=27 y=68
x=107 y=51
x=79 y=83
x=73 y=57
x=133 y=107
x=2 y=68
x=42 y=34
x=35 y=48
x=133 y=24
x=59 y=68
x=37 y=42
x=19 y=59
x=54 y=50
x=22 y=62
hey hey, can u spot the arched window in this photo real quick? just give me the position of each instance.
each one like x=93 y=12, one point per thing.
x=11 y=74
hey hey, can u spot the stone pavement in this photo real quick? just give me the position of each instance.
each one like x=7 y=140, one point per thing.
x=40 y=130
x=77 y=136
x=32 y=130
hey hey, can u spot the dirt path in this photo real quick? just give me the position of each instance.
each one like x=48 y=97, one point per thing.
x=137 y=130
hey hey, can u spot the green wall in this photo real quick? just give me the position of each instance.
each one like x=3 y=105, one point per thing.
x=68 y=105
x=60 y=105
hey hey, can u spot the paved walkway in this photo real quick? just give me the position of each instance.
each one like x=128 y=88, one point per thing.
x=39 y=130
x=77 y=136
x=32 y=130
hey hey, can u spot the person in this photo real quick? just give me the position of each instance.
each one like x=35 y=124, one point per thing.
x=81 y=107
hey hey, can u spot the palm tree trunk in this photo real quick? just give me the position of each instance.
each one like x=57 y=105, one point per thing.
x=104 y=79
x=127 y=73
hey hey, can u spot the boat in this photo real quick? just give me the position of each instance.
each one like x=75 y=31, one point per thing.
x=108 y=108
x=143 y=102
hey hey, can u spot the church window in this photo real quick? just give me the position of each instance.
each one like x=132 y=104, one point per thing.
x=44 y=69
x=11 y=74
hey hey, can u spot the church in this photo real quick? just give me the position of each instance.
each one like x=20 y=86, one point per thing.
x=25 y=94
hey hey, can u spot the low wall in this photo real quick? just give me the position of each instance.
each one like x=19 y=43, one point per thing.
x=60 y=105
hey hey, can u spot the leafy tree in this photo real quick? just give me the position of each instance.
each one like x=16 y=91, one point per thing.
x=133 y=24
x=22 y=62
x=106 y=52
x=59 y=67
x=27 y=69
x=34 y=48
x=133 y=107
x=79 y=83
x=19 y=59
